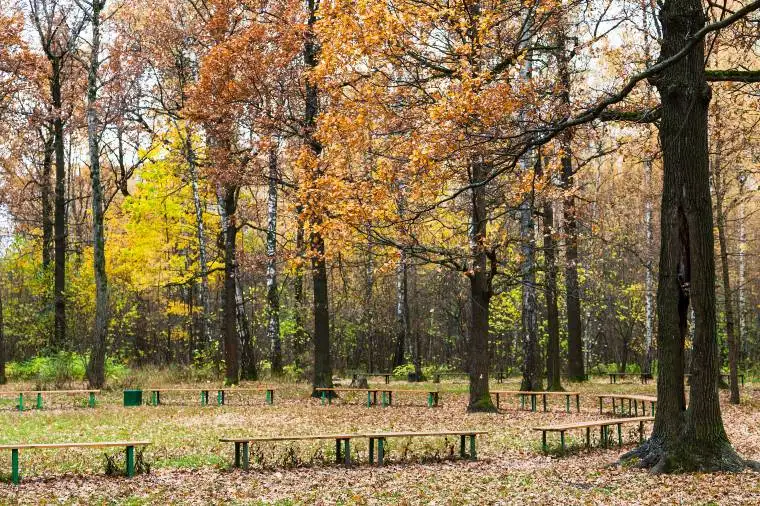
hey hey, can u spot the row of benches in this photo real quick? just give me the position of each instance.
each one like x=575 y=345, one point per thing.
x=221 y=394
x=39 y=395
x=645 y=377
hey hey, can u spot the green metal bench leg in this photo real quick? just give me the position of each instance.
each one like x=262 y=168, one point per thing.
x=603 y=433
x=369 y=398
x=91 y=402
x=620 y=434
x=600 y=405
x=204 y=397
x=39 y=400
x=578 y=402
x=430 y=399
x=347 y=457
x=543 y=441
x=15 y=477
x=337 y=451
x=380 y=451
x=21 y=402
x=220 y=397
x=246 y=456
x=154 y=398
x=237 y=454
x=473 y=452
x=588 y=437
x=567 y=404
x=130 y=461
x=533 y=402
x=629 y=407
x=462 y=440
x=544 y=399
x=652 y=410
x=371 y=450
x=522 y=401
x=270 y=397
x=323 y=397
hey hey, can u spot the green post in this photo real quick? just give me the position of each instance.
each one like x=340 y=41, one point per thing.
x=154 y=398
x=620 y=435
x=588 y=437
x=522 y=401
x=613 y=406
x=544 y=398
x=237 y=454
x=369 y=398
x=91 y=402
x=371 y=450
x=337 y=451
x=543 y=441
x=130 y=461
x=220 y=397
x=270 y=396
x=323 y=397
x=567 y=403
x=533 y=402
x=380 y=451
x=383 y=395
x=245 y=456
x=430 y=399
x=21 y=402
x=15 y=478
x=203 y=400
x=39 y=400
x=578 y=402
x=461 y=445
x=347 y=456
x=473 y=453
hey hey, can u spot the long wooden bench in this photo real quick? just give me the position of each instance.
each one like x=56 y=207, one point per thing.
x=38 y=394
x=633 y=403
x=381 y=437
x=343 y=442
x=386 y=395
x=386 y=375
x=534 y=395
x=14 y=448
x=242 y=450
x=155 y=394
x=603 y=426
x=437 y=375
x=643 y=376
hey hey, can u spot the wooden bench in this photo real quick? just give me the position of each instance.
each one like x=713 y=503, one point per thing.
x=380 y=437
x=437 y=375
x=242 y=445
x=633 y=403
x=155 y=394
x=129 y=445
x=603 y=426
x=533 y=398
x=643 y=376
x=386 y=395
x=39 y=396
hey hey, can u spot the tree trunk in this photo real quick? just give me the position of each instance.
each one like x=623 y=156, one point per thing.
x=693 y=438
x=720 y=212
x=300 y=337
x=531 y=375
x=248 y=369
x=47 y=211
x=742 y=261
x=322 y=360
x=553 y=363
x=59 y=225
x=96 y=364
x=200 y=233
x=227 y=207
x=3 y=356
x=648 y=274
x=273 y=295
x=402 y=310
x=480 y=294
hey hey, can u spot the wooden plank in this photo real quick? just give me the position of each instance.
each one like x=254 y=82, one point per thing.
x=287 y=438
x=434 y=433
x=103 y=444
x=593 y=423
x=647 y=398
x=7 y=392
x=520 y=392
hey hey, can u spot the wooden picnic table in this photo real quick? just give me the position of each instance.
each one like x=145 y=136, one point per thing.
x=128 y=445
x=40 y=393
x=204 y=393
x=533 y=398
x=386 y=395
x=602 y=424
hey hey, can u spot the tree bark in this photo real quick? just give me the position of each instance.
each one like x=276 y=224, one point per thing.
x=45 y=193
x=648 y=274
x=59 y=225
x=402 y=309
x=248 y=369
x=228 y=195
x=3 y=355
x=720 y=214
x=693 y=438
x=480 y=294
x=531 y=374
x=96 y=363
x=553 y=362
x=273 y=295
x=200 y=233
x=322 y=359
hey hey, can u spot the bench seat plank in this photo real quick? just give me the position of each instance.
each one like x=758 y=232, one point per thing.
x=288 y=438
x=593 y=423
x=103 y=444
x=433 y=433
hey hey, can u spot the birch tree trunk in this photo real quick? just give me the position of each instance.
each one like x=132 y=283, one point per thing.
x=200 y=233
x=273 y=296
x=96 y=364
x=648 y=274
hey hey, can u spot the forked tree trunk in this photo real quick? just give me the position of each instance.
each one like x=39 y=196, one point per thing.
x=693 y=438
x=480 y=294
x=553 y=369
x=96 y=363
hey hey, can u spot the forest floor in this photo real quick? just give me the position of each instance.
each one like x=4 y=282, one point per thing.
x=189 y=466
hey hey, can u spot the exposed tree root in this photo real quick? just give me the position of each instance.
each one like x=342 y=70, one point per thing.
x=687 y=456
